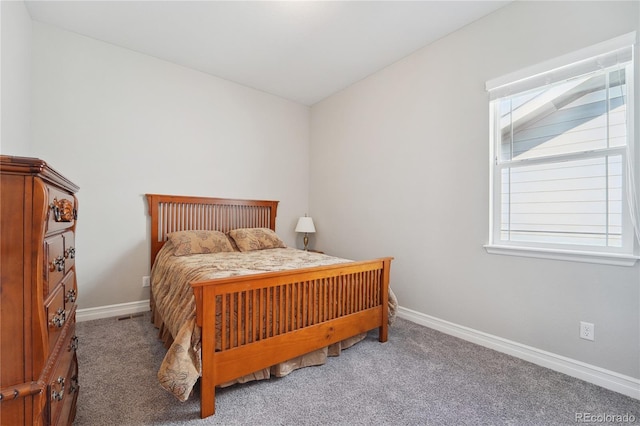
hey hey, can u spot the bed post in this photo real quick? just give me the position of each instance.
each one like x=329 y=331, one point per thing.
x=207 y=298
x=152 y=203
x=384 y=326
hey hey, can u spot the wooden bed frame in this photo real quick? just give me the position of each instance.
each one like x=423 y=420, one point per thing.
x=270 y=317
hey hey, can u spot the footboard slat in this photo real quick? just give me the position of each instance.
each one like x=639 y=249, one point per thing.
x=223 y=340
x=277 y=316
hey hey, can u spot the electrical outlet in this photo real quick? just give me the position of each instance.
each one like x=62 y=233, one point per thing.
x=145 y=281
x=587 y=330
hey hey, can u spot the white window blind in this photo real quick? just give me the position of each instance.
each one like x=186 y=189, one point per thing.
x=561 y=153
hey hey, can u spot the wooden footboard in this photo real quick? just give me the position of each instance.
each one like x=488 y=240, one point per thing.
x=269 y=318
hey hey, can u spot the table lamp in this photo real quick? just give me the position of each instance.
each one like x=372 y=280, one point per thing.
x=305 y=224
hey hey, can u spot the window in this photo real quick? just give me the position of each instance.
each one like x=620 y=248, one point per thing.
x=562 y=158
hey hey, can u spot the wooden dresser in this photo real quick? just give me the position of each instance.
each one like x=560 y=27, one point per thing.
x=38 y=291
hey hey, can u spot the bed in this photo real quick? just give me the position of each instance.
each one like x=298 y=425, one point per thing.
x=269 y=310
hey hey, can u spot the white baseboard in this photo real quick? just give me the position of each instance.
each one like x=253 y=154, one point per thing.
x=611 y=380
x=100 y=312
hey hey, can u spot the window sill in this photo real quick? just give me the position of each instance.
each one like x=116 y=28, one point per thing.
x=566 y=255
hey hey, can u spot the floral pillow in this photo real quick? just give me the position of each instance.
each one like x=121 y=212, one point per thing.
x=199 y=242
x=248 y=239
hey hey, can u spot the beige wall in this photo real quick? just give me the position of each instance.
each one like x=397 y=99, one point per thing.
x=400 y=167
x=16 y=79
x=121 y=124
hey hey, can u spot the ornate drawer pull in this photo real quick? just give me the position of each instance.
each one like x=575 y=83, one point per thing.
x=59 y=318
x=73 y=346
x=56 y=210
x=55 y=395
x=70 y=253
x=71 y=296
x=57 y=264
x=63 y=210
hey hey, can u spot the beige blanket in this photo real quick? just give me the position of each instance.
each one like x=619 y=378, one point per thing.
x=173 y=307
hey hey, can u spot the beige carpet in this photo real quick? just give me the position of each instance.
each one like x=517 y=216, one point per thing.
x=419 y=377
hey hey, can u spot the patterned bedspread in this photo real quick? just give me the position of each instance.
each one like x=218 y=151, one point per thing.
x=173 y=307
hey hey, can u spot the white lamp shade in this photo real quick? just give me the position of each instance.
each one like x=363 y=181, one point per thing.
x=305 y=224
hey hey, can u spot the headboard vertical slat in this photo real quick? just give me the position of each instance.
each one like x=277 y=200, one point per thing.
x=171 y=213
x=174 y=215
x=204 y=221
x=180 y=225
x=242 y=216
x=186 y=216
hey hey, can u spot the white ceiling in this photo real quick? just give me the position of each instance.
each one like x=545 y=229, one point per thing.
x=300 y=50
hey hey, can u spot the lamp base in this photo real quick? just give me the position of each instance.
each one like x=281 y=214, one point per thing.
x=305 y=240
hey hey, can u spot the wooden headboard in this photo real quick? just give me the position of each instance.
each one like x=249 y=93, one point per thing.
x=171 y=213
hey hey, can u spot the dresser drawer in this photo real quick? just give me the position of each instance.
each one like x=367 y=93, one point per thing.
x=55 y=261
x=56 y=316
x=62 y=210
x=62 y=387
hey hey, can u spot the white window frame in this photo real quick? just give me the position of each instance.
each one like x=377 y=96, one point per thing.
x=610 y=256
